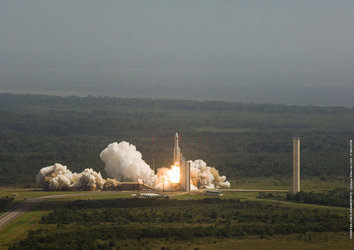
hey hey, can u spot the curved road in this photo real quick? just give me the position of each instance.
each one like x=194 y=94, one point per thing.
x=25 y=205
x=18 y=210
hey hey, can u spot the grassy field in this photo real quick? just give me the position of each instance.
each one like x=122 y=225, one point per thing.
x=306 y=241
x=87 y=218
x=24 y=193
x=314 y=184
x=18 y=229
x=30 y=221
x=309 y=240
x=295 y=241
x=307 y=184
x=21 y=194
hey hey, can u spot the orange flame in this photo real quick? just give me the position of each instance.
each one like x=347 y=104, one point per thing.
x=174 y=174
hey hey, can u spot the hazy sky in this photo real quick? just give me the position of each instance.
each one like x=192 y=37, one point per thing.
x=182 y=42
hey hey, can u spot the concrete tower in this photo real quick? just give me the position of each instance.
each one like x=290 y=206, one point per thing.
x=296 y=165
x=185 y=176
x=188 y=177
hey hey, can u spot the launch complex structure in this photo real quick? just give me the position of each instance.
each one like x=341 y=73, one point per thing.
x=185 y=166
x=184 y=171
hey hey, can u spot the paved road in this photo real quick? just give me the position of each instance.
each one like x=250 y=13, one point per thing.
x=24 y=206
x=18 y=210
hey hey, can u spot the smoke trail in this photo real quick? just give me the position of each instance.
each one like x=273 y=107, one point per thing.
x=124 y=163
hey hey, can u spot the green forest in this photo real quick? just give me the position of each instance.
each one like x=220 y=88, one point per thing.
x=240 y=140
x=140 y=223
x=335 y=197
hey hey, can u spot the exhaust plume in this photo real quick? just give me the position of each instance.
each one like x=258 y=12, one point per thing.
x=167 y=178
x=88 y=180
x=124 y=163
x=111 y=184
x=59 y=177
x=206 y=177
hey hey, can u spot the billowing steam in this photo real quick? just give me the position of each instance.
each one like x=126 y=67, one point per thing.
x=89 y=180
x=124 y=163
x=111 y=184
x=206 y=177
x=202 y=176
x=59 y=177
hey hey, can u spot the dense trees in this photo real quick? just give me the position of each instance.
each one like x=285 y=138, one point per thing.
x=5 y=200
x=336 y=197
x=108 y=222
x=239 y=139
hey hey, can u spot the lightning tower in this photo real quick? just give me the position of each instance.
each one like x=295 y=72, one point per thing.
x=296 y=165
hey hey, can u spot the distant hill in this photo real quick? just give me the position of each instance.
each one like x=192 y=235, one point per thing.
x=332 y=95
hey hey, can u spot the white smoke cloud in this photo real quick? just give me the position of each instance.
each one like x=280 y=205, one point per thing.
x=88 y=180
x=124 y=163
x=55 y=177
x=59 y=177
x=206 y=177
x=111 y=184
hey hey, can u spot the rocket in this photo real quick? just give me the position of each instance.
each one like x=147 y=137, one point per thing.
x=176 y=151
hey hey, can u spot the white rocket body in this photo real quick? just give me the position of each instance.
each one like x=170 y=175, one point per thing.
x=176 y=151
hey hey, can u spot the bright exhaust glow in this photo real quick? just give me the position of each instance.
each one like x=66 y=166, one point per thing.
x=174 y=174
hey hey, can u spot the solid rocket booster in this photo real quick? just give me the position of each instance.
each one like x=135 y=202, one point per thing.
x=176 y=151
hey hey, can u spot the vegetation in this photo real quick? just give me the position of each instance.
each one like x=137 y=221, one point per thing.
x=109 y=223
x=241 y=140
x=5 y=200
x=19 y=228
x=338 y=197
x=314 y=184
x=250 y=144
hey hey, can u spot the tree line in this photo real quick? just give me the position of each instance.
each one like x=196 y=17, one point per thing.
x=238 y=139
